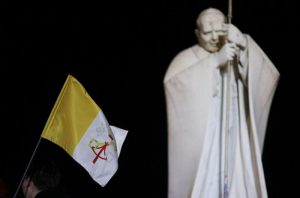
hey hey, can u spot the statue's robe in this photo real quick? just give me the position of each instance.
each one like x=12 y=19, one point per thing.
x=193 y=83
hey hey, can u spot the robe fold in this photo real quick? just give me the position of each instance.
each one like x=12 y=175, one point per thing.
x=191 y=90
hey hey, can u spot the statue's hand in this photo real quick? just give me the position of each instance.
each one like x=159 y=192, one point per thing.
x=234 y=35
x=226 y=53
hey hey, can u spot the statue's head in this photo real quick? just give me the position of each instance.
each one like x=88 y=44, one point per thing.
x=210 y=27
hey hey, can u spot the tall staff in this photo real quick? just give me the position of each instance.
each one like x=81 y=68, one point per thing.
x=226 y=107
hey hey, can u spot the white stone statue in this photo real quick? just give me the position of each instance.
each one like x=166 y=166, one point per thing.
x=202 y=161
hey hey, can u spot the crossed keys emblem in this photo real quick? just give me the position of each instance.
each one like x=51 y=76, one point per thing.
x=99 y=148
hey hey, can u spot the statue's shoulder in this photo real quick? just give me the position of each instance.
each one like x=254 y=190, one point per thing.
x=185 y=59
x=185 y=55
x=182 y=61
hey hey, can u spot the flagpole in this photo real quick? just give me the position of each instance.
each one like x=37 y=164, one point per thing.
x=28 y=165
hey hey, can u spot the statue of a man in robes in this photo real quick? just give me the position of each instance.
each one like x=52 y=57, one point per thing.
x=203 y=162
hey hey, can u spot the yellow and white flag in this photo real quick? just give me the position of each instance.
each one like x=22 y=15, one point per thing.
x=78 y=125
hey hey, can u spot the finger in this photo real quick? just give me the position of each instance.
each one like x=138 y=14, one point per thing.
x=235 y=48
x=225 y=27
x=232 y=45
x=230 y=57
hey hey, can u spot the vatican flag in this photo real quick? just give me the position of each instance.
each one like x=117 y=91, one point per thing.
x=78 y=125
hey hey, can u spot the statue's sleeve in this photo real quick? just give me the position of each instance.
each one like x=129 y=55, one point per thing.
x=243 y=64
x=263 y=77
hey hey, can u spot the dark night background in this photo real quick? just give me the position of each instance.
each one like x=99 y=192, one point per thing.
x=119 y=51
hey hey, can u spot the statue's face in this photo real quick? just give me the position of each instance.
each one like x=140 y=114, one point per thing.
x=209 y=31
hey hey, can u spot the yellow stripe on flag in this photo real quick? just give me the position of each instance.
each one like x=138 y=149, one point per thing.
x=73 y=113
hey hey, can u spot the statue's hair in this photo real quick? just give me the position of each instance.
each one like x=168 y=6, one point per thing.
x=209 y=11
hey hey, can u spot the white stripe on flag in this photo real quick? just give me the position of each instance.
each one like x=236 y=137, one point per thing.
x=97 y=151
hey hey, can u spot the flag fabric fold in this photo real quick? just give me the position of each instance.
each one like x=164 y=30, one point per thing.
x=78 y=125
